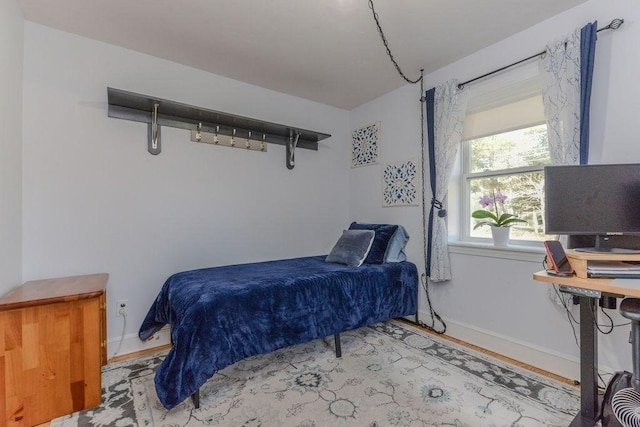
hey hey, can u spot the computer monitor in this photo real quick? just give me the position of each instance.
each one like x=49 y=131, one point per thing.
x=600 y=200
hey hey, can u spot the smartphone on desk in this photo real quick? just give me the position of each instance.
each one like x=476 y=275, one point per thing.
x=557 y=259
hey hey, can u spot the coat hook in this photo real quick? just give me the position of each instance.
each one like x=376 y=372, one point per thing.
x=199 y=132
x=262 y=143
x=233 y=141
x=154 y=128
x=215 y=136
x=249 y=142
x=291 y=145
x=153 y=132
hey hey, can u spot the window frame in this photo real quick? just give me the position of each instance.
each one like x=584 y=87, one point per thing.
x=465 y=176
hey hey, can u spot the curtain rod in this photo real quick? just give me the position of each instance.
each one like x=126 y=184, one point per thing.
x=613 y=25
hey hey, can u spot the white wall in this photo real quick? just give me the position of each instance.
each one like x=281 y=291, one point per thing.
x=11 y=46
x=399 y=115
x=494 y=301
x=96 y=201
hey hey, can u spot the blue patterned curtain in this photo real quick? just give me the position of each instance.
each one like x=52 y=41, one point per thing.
x=567 y=70
x=446 y=108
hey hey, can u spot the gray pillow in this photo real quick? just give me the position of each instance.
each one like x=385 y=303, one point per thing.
x=352 y=247
x=395 y=249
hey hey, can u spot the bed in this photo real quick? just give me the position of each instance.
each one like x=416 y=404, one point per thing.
x=221 y=315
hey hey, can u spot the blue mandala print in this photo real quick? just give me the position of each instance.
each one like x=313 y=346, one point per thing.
x=364 y=146
x=399 y=184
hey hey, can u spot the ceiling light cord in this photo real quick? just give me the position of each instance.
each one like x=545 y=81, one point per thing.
x=425 y=281
x=386 y=45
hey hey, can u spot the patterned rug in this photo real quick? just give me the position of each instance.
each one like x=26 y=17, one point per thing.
x=390 y=374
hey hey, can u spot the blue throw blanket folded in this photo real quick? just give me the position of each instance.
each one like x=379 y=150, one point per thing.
x=221 y=315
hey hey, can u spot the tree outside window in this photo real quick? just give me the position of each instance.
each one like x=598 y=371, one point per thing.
x=511 y=164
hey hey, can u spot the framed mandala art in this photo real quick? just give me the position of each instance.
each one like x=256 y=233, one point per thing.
x=400 y=184
x=364 y=145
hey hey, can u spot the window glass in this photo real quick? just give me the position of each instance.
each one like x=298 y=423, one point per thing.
x=505 y=149
x=523 y=147
x=504 y=174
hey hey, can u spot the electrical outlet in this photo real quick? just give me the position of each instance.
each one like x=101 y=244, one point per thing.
x=121 y=307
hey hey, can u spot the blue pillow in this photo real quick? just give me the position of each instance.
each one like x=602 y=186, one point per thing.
x=384 y=233
x=395 y=249
x=352 y=247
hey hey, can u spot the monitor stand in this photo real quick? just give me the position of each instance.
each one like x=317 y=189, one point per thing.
x=601 y=249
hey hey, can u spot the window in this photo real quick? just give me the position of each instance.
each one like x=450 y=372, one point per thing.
x=509 y=164
x=503 y=155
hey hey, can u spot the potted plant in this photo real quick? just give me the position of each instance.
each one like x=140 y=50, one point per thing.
x=494 y=216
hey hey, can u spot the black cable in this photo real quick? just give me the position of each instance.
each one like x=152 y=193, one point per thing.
x=595 y=317
x=423 y=278
x=425 y=281
x=572 y=320
x=434 y=315
x=604 y=386
x=570 y=317
x=386 y=45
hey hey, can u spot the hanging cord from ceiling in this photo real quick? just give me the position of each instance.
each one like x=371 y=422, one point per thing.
x=386 y=46
x=423 y=277
x=425 y=281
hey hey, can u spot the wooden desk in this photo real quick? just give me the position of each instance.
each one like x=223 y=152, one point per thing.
x=580 y=260
x=52 y=345
x=589 y=403
x=603 y=285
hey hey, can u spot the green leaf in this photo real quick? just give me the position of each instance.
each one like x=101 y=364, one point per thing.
x=504 y=220
x=480 y=224
x=510 y=221
x=482 y=214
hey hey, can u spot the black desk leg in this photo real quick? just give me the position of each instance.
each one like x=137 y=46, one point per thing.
x=588 y=364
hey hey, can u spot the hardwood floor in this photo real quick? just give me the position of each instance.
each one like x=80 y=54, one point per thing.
x=138 y=353
x=446 y=337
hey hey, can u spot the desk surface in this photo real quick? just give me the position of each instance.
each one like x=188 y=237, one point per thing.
x=612 y=286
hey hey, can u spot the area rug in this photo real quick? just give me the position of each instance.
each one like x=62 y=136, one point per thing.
x=390 y=374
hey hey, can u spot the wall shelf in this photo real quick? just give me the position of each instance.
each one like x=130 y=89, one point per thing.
x=157 y=112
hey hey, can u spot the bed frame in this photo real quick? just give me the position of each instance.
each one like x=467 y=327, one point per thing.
x=225 y=314
x=195 y=397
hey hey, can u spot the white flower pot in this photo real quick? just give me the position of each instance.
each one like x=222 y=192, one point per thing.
x=500 y=235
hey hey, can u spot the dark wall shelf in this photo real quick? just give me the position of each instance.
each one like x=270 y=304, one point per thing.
x=140 y=108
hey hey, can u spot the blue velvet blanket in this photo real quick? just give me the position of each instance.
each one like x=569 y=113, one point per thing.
x=221 y=315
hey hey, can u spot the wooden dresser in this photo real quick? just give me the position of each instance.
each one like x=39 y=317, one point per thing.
x=52 y=347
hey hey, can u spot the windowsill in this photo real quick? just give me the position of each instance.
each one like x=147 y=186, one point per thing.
x=513 y=251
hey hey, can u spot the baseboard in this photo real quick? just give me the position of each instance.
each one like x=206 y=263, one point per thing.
x=131 y=343
x=556 y=363
x=542 y=358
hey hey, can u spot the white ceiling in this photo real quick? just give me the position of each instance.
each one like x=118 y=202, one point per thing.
x=328 y=51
